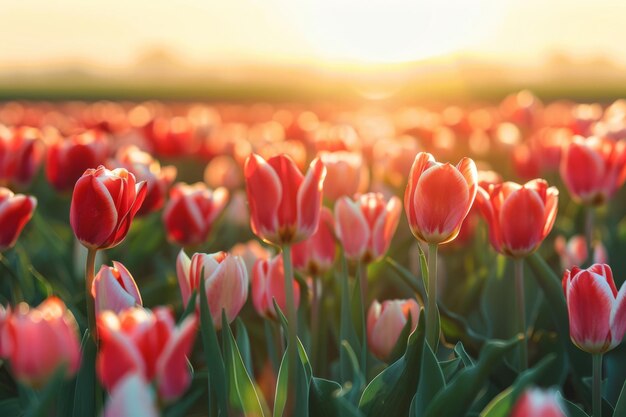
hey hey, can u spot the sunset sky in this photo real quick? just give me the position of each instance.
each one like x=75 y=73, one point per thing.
x=113 y=33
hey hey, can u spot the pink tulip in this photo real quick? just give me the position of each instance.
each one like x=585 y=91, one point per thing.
x=250 y=252
x=535 y=402
x=225 y=280
x=37 y=341
x=268 y=283
x=131 y=397
x=284 y=204
x=15 y=211
x=572 y=252
x=115 y=289
x=385 y=323
x=365 y=226
x=146 y=342
x=345 y=170
x=21 y=152
x=4 y=314
x=316 y=255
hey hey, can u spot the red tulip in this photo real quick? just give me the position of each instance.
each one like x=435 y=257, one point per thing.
x=15 y=211
x=268 y=283
x=115 y=289
x=191 y=212
x=385 y=323
x=537 y=403
x=438 y=197
x=344 y=173
x=68 y=159
x=21 y=151
x=131 y=397
x=148 y=343
x=597 y=311
x=511 y=233
x=593 y=168
x=316 y=254
x=365 y=226
x=225 y=280
x=572 y=252
x=284 y=205
x=37 y=341
x=103 y=206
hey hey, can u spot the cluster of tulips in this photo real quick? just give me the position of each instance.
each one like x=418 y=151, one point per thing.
x=355 y=308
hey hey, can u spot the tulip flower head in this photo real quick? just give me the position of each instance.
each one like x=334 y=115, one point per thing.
x=385 y=323
x=535 y=402
x=597 y=311
x=250 y=252
x=519 y=216
x=103 y=206
x=15 y=211
x=37 y=341
x=316 y=254
x=114 y=289
x=225 y=282
x=284 y=204
x=438 y=197
x=268 y=284
x=21 y=152
x=131 y=397
x=344 y=172
x=365 y=226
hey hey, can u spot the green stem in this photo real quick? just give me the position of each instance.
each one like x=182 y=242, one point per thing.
x=292 y=330
x=315 y=313
x=89 y=276
x=432 y=315
x=589 y=224
x=597 y=385
x=363 y=272
x=521 y=312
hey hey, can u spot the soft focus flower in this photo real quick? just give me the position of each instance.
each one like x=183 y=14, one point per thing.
x=284 y=204
x=131 y=397
x=316 y=254
x=572 y=252
x=365 y=226
x=268 y=283
x=37 y=341
x=15 y=211
x=67 y=159
x=146 y=342
x=146 y=168
x=21 y=152
x=385 y=323
x=115 y=289
x=535 y=402
x=3 y=318
x=438 y=197
x=344 y=173
x=250 y=252
x=225 y=280
x=189 y=214
x=223 y=171
x=597 y=312
x=593 y=168
x=103 y=206
x=510 y=232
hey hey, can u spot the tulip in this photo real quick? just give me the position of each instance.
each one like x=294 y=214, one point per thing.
x=67 y=159
x=344 y=173
x=225 y=282
x=593 y=168
x=316 y=255
x=146 y=168
x=223 y=171
x=131 y=397
x=115 y=289
x=147 y=343
x=191 y=211
x=4 y=314
x=250 y=252
x=15 y=211
x=385 y=323
x=535 y=402
x=268 y=284
x=284 y=205
x=38 y=341
x=572 y=252
x=21 y=151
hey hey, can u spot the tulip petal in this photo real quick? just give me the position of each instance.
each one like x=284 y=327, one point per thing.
x=265 y=193
x=521 y=234
x=183 y=264
x=422 y=161
x=92 y=213
x=385 y=227
x=310 y=199
x=618 y=316
x=351 y=228
x=132 y=397
x=15 y=212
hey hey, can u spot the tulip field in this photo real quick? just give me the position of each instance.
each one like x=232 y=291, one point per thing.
x=322 y=259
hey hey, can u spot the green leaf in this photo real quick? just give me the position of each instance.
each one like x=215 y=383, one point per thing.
x=358 y=316
x=571 y=409
x=459 y=349
x=10 y=407
x=191 y=306
x=243 y=341
x=42 y=407
x=182 y=407
x=620 y=406
x=403 y=339
x=87 y=394
x=354 y=392
x=553 y=290
x=390 y=393
x=346 y=328
x=431 y=382
x=456 y=399
x=280 y=396
x=326 y=400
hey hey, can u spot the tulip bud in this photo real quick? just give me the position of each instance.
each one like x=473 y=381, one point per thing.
x=535 y=402
x=37 y=341
x=114 y=289
x=345 y=170
x=103 y=206
x=15 y=211
x=284 y=204
x=385 y=323
x=597 y=311
x=268 y=284
x=21 y=151
x=436 y=216
x=572 y=252
x=365 y=226
x=225 y=281
x=131 y=397
x=510 y=233
x=316 y=255
x=191 y=211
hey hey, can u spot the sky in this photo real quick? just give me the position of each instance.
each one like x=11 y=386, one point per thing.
x=114 y=33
